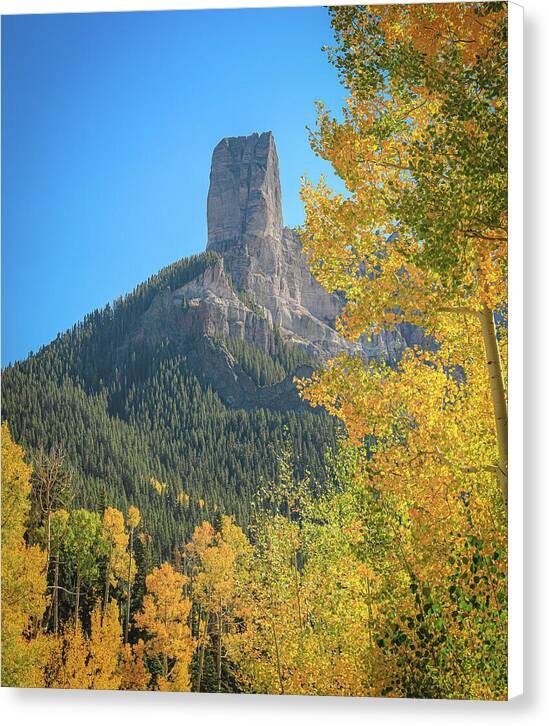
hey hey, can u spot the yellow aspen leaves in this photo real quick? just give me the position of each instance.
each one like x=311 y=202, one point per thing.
x=164 y=617
x=157 y=485
x=24 y=598
x=134 y=517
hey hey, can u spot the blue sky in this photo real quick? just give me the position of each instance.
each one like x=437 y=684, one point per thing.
x=109 y=122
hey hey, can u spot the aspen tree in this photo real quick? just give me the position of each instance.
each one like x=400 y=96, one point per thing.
x=421 y=234
x=134 y=517
x=116 y=541
x=24 y=598
x=164 y=617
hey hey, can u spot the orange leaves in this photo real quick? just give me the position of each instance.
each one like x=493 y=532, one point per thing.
x=217 y=557
x=70 y=659
x=165 y=608
x=134 y=675
x=432 y=31
x=105 y=646
x=354 y=531
x=203 y=538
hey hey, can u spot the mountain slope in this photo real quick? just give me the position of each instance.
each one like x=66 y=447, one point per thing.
x=131 y=404
x=188 y=380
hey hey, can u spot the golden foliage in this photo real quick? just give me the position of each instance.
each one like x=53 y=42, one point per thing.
x=105 y=645
x=88 y=663
x=134 y=517
x=165 y=619
x=157 y=485
x=134 y=675
x=116 y=539
x=24 y=598
x=421 y=238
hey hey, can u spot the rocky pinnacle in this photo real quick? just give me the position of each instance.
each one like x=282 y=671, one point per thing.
x=263 y=261
x=244 y=198
x=260 y=288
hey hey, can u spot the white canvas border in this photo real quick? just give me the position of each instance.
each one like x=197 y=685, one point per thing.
x=12 y=7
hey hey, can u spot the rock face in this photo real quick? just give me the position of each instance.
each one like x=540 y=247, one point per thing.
x=244 y=199
x=264 y=259
x=260 y=282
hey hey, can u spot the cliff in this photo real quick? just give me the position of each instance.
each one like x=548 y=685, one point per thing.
x=261 y=282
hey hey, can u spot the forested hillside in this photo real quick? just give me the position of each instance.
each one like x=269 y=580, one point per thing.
x=128 y=412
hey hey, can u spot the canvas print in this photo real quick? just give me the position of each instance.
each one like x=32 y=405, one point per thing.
x=254 y=383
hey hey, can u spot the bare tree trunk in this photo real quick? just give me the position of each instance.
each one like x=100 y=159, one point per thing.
x=107 y=584
x=127 y=623
x=497 y=390
x=297 y=590
x=77 y=604
x=277 y=654
x=56 y=596
x=48 y=538
x=202 y=652
x=219 y=637
x=199 y=621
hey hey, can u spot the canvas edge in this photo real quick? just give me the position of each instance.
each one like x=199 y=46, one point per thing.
x=515 y=377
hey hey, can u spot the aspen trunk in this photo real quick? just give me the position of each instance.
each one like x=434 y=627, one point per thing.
x=48 y=539
x=77 y=604
x=107 y=584
x=277 y=654
x=497 y=390
x=219 y=636
x=56 y=596
x=127 y=623
x=202 y=653
x=370 y=617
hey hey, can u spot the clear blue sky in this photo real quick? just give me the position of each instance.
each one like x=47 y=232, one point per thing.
x=109 y=122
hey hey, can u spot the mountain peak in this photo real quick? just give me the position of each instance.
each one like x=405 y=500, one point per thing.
x=263 y=262
x=244 y=199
